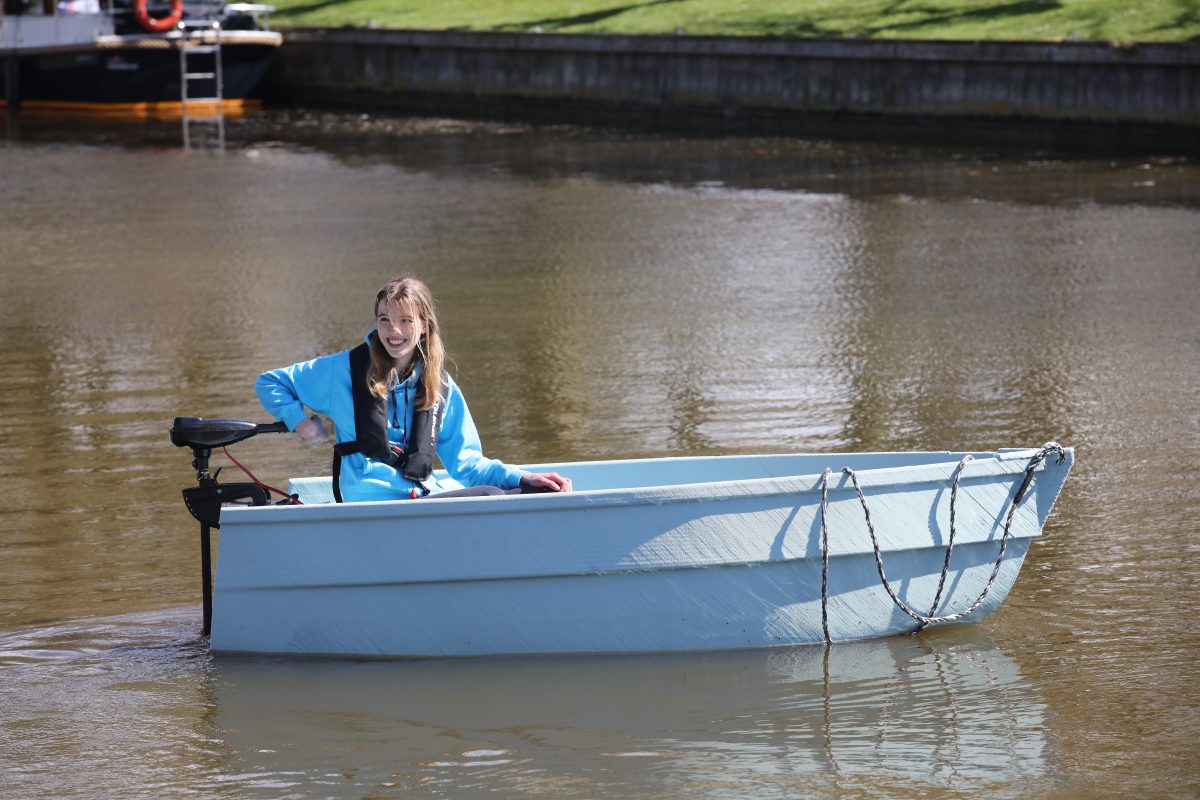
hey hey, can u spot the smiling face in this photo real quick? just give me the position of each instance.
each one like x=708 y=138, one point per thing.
x=400 y=329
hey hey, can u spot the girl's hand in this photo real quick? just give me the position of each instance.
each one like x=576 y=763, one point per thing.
x=551 y=481
x=311 y=430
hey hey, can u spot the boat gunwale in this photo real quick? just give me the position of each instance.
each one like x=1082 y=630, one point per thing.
x=110 y=42
x=101 y=37
x=1001 y=463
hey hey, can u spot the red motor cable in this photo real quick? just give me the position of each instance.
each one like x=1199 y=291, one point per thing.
x=257 y=482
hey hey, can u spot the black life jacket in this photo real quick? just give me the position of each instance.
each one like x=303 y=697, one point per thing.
x=370 y=426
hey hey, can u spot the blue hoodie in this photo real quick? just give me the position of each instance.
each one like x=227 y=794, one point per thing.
x=323 y=385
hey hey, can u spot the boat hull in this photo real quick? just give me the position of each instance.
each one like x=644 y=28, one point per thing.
x=82 y=64
x=647 y=556
x=132 y=80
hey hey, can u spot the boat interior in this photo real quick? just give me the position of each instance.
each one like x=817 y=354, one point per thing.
x=652 y=472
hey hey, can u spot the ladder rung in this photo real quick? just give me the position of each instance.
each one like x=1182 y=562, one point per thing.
x=213 y=74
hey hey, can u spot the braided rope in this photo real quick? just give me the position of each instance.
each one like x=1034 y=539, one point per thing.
x=825 y=553
x=937 y=598
x=926 y=620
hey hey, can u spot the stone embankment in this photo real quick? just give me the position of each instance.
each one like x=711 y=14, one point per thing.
x=748 y=80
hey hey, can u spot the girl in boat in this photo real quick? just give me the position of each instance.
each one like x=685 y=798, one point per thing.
x=394 y=408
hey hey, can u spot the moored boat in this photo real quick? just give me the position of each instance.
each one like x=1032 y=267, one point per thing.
x=646 y=555
x=131 y=57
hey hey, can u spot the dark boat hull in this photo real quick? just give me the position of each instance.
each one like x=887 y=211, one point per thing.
x=142 y=77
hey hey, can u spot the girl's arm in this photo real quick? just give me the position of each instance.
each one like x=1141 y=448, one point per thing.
x=286 y=391
x=461 y=452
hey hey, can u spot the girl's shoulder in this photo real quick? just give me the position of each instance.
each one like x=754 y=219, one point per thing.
x=332 y=361
x=451 y=391
x=330 y=368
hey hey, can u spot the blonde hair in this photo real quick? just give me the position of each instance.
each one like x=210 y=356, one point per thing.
x=414 y=296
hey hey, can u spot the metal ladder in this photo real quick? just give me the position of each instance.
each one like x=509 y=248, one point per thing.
x=188 y=72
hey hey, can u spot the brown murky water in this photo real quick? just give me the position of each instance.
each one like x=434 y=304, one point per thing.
x=605 y=295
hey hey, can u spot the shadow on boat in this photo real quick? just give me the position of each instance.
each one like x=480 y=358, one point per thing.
x=947 y=708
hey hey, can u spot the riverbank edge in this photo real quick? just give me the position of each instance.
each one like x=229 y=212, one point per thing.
x=1144 y=95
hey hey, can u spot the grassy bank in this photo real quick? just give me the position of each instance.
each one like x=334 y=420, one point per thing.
x=1118 y=21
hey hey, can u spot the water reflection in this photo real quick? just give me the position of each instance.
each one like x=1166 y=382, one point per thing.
x=924 y=346
x=950 y=712
x=1023 y=171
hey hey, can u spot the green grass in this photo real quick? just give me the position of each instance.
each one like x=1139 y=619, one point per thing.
x=1122 y=21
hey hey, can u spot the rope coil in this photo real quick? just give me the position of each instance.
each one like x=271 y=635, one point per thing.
x=924 y=620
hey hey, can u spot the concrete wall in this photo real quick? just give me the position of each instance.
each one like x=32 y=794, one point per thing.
x=745 y=78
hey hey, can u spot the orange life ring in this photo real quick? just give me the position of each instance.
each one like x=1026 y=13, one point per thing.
x=157 y=24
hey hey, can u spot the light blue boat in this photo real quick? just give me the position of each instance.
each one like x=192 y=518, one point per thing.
x=650 y=555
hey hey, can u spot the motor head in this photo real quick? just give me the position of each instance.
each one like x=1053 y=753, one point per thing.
x=204 y=434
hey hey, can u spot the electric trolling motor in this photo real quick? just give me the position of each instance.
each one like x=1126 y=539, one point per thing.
x=204 y=500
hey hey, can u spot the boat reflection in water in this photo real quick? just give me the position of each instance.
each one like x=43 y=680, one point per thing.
x=944 y=709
